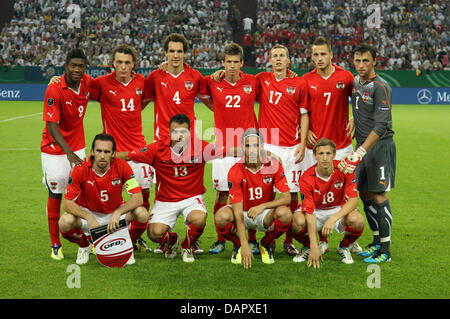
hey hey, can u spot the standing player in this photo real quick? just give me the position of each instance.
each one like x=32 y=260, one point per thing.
x=179 y=163
x=329 y=88
x=63 y=144
x=120 y=94
x=94 y=198
x=173 y=90
x=284 y=122
x=375 y=156
x=329 y=201
x=253 y=204
x=233 y=98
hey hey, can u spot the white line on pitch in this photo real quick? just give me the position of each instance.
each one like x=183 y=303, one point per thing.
x=19 y=117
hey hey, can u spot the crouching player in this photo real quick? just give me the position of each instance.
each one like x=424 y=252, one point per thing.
x=94 y=198
x=253 y=205
x=329 y=201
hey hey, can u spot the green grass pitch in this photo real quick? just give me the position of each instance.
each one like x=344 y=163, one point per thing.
x=421 y=219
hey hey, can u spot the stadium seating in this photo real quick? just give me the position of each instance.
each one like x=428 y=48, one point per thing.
x=412 y=34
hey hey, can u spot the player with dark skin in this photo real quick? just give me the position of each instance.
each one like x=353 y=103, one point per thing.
x=75 y=69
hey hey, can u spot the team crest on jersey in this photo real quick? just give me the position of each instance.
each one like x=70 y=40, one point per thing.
x=189 y=85
x=338 y=184
x=365 y=97
x=290 y=90
x=267 y=179
x=340 y=85
x=116 y=181
x=138 y=91
x=248 y=89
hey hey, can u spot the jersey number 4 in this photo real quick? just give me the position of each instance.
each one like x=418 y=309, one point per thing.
x=129 y=106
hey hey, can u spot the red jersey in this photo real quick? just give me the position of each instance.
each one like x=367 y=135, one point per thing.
x=318 y=193
x=178 y=176
x=255 y=188
x=66 y=107
x=121 y=109
x=234 y=108
x=101 y=194
x=328 y=104
x=173 y=95
x=280 y=102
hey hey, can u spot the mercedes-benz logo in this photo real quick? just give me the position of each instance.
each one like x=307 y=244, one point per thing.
x=424 y=96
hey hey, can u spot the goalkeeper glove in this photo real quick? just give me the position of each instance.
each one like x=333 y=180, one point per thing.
x=348 y=164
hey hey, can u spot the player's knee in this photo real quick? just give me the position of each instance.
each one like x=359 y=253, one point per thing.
x=283 y=213
x=154 y=232
x=66 y=222
x=197 y=218
x=298 y=222
x=355 y=220
x=223 y=216
x=140 y=214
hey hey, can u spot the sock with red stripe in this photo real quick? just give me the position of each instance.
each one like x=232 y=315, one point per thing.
x=136 y=229
x=53 y=214
x=351 y=235
x=76 y=235
x=278 y=229
x=218 y=206
x=229 y=233
x=168 y=237
x=293 y=206
x=192 y=234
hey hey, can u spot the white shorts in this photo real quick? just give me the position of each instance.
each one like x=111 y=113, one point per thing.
x=292 y=170
x=257 y=223
x=56 y=169
x=220 y=169
x=340 y=154
x=102 y=219
x=143 y=173
x=167 y=212
x=322 y=215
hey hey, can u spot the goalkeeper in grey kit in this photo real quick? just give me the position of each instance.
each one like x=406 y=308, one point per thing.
x=374 y=160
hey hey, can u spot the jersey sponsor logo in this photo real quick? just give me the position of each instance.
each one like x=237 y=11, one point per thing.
x=189 y=85
x=220 y=89
x=113 y=92
x=340 y=85
x=165 y=84
x=69 y=102
x=317 y=191
x=267 y=83
x=290 y=90
x=50 y=101
x=314 y=87
x=248 y=89
x=116 y=181
x=90 y=182
x=50 y=114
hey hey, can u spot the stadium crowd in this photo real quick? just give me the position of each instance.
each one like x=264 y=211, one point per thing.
x=412 y=34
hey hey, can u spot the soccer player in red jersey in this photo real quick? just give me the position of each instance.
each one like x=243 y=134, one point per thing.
x=94 y=198
x=284 y=121
x=63 y=144
x=253 y=204
x=233 y=97
x=329 y=88
x=179 y=163
x=120 y=94
x=329 y=202
x=173 y=90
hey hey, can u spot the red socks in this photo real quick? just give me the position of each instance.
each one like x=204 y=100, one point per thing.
x=136 y=229
x=218 y=206
x=76 y=235
x=229 y=233
x=192 y=234
x=278 y=228
x=351 y=235
x=53 y=214
x=302 y=237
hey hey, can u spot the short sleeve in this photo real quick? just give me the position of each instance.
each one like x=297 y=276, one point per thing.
x=144 y=155
x=307 y=196
x=350 y=186
x=234 y=185
x=52 y=104
x=74 y=186
x=280 y=180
